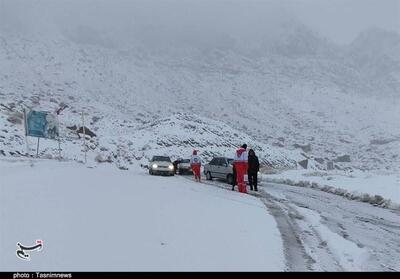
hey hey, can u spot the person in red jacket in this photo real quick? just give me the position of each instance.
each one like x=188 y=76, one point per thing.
x=240 y=163
x=195 y=164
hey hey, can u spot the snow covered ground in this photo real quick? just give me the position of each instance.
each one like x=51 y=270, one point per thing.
x=99 y=218
x=324 y=232
x=356 y=182
x=333 y=233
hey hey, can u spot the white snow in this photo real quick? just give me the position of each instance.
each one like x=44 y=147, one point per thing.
x=385 y=185
x=289 y=97
x=100 y=218
x=350 y=256
x=337 y=233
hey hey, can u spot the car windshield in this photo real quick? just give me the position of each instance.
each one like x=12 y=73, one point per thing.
x=185 y=161
x=161 y=159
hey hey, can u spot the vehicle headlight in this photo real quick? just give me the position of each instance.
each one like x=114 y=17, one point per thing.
x=171 y=167
x=154 y=166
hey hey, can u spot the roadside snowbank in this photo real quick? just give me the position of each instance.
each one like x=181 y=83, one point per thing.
x=379 y=190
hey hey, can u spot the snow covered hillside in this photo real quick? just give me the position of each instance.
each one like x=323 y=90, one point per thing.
x=104 y=219
x=300 y=92
x=313 y=88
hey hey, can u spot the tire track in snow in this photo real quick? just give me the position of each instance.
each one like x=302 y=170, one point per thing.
x=373 y=229
x=298 y=244
x=304 y=248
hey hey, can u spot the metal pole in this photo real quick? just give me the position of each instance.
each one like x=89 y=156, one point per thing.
x=59 y=148
x=59 y=138
x=26 y=134
x=84 y=135
x=37 y=148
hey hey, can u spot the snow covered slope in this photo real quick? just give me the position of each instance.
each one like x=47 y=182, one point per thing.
x=296 y=90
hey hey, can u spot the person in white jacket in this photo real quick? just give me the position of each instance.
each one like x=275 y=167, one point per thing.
x=195 y=163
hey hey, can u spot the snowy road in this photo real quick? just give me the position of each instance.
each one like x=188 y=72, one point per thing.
x=322 y=231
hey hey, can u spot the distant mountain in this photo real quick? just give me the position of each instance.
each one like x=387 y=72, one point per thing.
x=289 y=89
x=375 y=53
x=375 y=43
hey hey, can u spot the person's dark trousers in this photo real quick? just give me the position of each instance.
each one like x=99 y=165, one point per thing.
x=252 y=176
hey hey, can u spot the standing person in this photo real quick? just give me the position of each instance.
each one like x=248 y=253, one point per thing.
x=176 y=163
x=195 y=163
x=253 y=168
x=240 y=163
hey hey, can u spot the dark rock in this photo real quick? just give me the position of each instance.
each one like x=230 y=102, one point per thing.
x=278 y=144
x=100 y=159
x=303 y=163
x=382 y=141
x=80 y=130
x=95 y=119
x=87 y=132
x=377 y=199
x=343 y=159
x=305 y=148
x=16 y=118
x=6 y=107
x=305 y=155
x=344 y=141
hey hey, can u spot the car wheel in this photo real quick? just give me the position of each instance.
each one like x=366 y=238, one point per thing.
x=150 y=172
x=208 y=176
x=229 y=179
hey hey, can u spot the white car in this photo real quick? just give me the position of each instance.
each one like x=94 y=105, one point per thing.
x=161 y=165
x=184 y=167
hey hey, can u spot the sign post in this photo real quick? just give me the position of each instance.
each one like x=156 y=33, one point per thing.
x=37 y=148
x=84 y=136
x=59 y=149
x=26 y=134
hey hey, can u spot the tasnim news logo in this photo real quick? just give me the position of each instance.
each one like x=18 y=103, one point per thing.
x=22 y=250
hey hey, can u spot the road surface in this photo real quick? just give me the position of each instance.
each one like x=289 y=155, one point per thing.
x=326 y=232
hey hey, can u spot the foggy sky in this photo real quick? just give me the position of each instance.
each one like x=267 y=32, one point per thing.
x=342 y=20
x=197 y=20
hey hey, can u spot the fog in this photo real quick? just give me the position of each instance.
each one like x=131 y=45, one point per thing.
x=195 y=22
